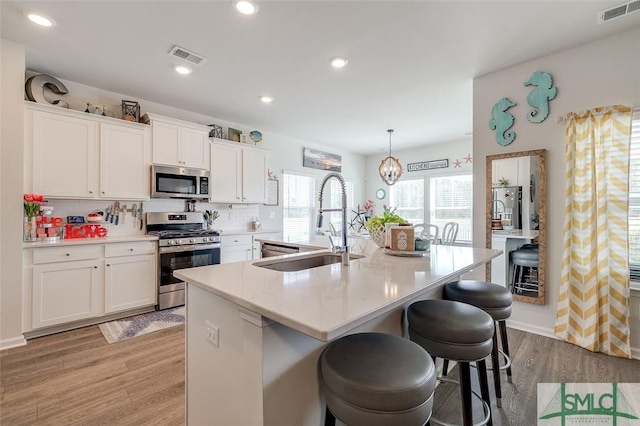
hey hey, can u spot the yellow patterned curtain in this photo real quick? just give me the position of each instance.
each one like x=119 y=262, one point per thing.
x=593 y=305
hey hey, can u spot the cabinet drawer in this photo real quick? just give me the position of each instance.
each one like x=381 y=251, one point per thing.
x=129 y=249
x=236 y=240
x=62 y=254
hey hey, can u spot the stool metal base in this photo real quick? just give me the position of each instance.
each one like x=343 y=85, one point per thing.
x=485 y=406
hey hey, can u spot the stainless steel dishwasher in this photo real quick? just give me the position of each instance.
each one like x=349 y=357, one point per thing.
x=271 y=249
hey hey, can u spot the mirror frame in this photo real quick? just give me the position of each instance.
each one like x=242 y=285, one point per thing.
x=541 y=189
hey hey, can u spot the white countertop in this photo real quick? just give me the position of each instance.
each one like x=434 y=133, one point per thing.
x=328 y=301
x=84 y=241
x=516 y=233
x=247 y=232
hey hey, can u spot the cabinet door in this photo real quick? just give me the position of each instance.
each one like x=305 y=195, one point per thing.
x=226 y=177
x=166 y=146
x=194 y=148
x=64 y=156
x=254 y=176
x=130 y=282
x=124 y=162
x=236 y=254
x=66 y=291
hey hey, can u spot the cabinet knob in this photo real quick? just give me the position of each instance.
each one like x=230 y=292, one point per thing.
x=95 y=267
x=90 y=192
x=67 y=254
x=130 y=249
x=103 y=192
x=108 y=264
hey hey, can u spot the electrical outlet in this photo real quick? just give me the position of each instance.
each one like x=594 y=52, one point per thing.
x=272 y=215
x=212 y=333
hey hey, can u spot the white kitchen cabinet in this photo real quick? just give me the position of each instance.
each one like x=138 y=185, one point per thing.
x=64 y=155
x=125 y=157
x=65 y=291
x=68 y=283
x=130 y=278
x=236 y=248
x=238 y=173
x=179 y=143
x=71 y=154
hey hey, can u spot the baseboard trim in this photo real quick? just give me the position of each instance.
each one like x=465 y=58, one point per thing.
x=548 y=332
x=12 y=343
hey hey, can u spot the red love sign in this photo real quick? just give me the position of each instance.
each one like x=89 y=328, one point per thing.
x=84 y=231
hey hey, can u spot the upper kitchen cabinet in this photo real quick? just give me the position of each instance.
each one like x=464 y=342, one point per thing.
x=125 y=159
x=179 y=143
x=238 y=173
x=71 y=154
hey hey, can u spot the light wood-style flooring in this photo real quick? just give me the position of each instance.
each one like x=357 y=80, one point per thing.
x=77 y=378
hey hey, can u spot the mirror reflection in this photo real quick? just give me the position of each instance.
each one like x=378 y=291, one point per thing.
x=516 y=191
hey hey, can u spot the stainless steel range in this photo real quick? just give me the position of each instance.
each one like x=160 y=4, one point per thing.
x=183 y=243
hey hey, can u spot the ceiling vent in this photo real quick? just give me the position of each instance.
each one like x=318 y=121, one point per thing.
x=189 y=56
x=618 y=11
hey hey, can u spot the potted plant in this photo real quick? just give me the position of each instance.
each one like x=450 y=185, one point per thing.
x=535 y=218
x=503 y=181
x=376 y=225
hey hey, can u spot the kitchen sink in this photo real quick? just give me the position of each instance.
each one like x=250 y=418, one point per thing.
x=300 y=263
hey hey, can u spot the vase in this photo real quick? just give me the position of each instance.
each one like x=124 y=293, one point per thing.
x=29 y=229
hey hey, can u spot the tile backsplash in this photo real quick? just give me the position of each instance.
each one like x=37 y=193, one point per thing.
x=235 y=217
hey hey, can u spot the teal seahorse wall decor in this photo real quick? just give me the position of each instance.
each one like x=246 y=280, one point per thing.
x=540 y=96
x=501 y=121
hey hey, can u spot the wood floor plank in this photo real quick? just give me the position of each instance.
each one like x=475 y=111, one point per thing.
x=77 y=378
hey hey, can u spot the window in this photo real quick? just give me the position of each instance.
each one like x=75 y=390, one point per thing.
x=407 y=196
x=634 y=200
x=451 y=200
x=298 y=200
x=333 y=200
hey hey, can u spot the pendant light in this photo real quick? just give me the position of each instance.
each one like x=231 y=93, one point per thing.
x=390 y=169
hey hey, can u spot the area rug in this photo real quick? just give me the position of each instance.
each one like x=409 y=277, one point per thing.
x=126 y=328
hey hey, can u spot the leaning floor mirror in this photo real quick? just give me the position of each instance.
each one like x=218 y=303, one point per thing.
x=516 y=222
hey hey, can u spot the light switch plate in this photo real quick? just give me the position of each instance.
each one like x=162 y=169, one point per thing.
x=272 y=215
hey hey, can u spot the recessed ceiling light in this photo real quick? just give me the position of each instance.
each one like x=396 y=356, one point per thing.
x=338 y=62
x=40 y=19
x=182 y=69
x=266 y=99
x=246 y=7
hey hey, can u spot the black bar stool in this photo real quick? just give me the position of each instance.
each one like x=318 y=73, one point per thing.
x=496 y=301
x=376 y=379
x=459 y=332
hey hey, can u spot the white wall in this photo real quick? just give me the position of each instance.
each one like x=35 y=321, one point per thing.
x=11 y=164
x=602 y=73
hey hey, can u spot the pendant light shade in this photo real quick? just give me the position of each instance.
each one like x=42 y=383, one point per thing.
x=390 y=169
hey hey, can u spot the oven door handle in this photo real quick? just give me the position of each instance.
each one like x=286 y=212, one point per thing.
x=190 y=247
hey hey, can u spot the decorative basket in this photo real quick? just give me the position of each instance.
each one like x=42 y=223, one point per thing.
x=377 y=234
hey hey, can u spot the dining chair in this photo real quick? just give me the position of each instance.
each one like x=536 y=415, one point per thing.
x=449 y=233
x=427 y=231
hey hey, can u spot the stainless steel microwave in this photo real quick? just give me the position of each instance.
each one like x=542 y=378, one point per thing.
x=179 y=182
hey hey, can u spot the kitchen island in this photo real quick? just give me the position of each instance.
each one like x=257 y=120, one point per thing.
x=254 y=335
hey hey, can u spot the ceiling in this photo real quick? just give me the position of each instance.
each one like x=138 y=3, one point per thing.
x=411 y=64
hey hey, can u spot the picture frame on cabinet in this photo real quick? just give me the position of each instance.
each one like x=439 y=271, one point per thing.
x=234 y=134
x=216 y=131
x=273 y=192
x=130 y=111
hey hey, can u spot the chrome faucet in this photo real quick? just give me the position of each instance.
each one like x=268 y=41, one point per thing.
x=344 y=248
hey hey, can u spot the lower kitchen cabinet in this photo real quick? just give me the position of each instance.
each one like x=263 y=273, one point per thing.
x=129 y=282
x=66 y=291
x=236 y=248
x=71 y=283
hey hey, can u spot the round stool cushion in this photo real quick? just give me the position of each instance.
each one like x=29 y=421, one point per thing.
x=526 y=257
x=451 y=330
x=377 y=379
x=491 y=298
